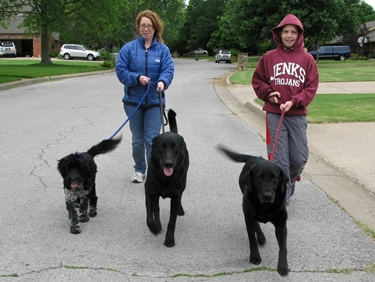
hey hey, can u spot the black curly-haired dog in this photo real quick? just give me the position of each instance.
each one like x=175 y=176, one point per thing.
x=166 y=177
x=78 y=171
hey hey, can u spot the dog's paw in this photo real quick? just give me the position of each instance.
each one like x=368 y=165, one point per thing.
x=181 y=211
x=75 y=229
x=154 y=228
x=255 y=260
x=283 y=269
x=84 y=218
x=169 y=242
x=261 y=240
x=93 y=212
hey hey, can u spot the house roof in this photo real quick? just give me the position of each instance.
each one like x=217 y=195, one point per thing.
x=370 y=25
x=13 y=28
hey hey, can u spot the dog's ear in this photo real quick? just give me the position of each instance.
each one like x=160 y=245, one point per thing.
x=245 y=181
x=61 y=164
x=182 y=143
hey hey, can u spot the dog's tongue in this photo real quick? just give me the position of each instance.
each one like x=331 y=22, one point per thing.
x=73 y=184
x=168 y=171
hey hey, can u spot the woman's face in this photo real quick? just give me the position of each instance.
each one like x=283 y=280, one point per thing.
x=146 y=29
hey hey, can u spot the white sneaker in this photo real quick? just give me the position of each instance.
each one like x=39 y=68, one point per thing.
x=138 y=177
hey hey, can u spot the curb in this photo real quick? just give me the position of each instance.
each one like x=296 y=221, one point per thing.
x=251 y=105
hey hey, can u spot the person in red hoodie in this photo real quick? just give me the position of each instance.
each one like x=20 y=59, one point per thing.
x=287 y=79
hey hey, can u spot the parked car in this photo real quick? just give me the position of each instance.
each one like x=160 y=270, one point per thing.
x=8 y=48
x=199 y=51
x=332 y=52
x=223 y=55
x=69 y=51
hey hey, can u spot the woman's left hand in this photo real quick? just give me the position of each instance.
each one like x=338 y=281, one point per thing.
x=160 y=85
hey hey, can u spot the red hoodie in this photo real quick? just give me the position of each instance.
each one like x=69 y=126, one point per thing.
x=292 y=72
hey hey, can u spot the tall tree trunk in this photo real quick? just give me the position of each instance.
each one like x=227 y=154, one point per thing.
x=46 y=46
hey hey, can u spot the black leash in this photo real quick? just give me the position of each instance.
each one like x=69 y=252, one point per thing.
x=162 y=112
x=132 y=114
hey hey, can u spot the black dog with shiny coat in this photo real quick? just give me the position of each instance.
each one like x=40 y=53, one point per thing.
x=78 y=171
x=166 y=177
x=263 y=185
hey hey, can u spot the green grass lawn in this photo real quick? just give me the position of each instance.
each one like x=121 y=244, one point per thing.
x=329 y=71
x=13 y=70
x=335 y=108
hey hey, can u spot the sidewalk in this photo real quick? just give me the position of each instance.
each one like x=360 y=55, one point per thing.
x=341 y=155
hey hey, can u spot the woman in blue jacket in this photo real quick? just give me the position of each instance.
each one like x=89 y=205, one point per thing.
x=144 y=65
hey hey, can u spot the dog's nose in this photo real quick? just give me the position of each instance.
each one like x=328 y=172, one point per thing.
x=267 y=197
x=168 y=163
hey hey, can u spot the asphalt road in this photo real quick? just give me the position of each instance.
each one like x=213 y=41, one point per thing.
x=43 y=122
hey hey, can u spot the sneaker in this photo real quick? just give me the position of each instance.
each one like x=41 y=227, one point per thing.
x=138 y=177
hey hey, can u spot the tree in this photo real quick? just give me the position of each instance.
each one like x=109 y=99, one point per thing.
x=202 y=19
x=41 y=17
x=96 y=25
x=171 y=13
x=247 y=24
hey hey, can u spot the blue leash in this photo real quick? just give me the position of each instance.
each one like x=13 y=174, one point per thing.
x=129 y=117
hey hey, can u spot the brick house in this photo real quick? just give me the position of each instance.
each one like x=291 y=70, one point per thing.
x=27 y=46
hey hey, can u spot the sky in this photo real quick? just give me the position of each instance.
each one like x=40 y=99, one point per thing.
x=371 y=3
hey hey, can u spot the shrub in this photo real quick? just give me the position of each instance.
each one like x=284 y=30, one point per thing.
x=106 y=56
x=264 y=47
x=354 y=56
x=110 y=64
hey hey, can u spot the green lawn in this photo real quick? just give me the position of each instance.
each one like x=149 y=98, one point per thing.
x=333 y=108
x=13 y=70
x=329 y=71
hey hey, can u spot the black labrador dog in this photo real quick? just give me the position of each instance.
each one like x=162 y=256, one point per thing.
x=166 y=177
x=263 y=185
x=78 y=171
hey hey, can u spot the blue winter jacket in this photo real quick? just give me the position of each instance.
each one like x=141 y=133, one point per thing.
x=135 y=60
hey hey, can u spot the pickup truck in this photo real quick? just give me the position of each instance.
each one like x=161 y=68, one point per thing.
x=332 y=52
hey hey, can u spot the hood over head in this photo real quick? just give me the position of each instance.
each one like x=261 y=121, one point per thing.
x=288 y=19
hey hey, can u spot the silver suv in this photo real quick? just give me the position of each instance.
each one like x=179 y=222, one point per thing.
x=8 y=48
x=223 y=55
x=70 y=51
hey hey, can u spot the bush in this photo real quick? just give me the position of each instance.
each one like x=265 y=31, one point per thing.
x=354 y=56
x=106 y=56
x=110 y=64
x=264 y=47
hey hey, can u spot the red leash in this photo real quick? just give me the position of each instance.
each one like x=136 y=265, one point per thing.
x=270 y=157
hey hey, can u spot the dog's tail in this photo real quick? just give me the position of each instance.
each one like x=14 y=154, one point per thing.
x=172 y=121
x=240 y=158
x=106 y=146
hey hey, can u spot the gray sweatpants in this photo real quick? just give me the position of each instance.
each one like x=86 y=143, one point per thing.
x=292 y=150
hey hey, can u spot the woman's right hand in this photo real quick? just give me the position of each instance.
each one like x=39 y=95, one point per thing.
x=144 y=80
